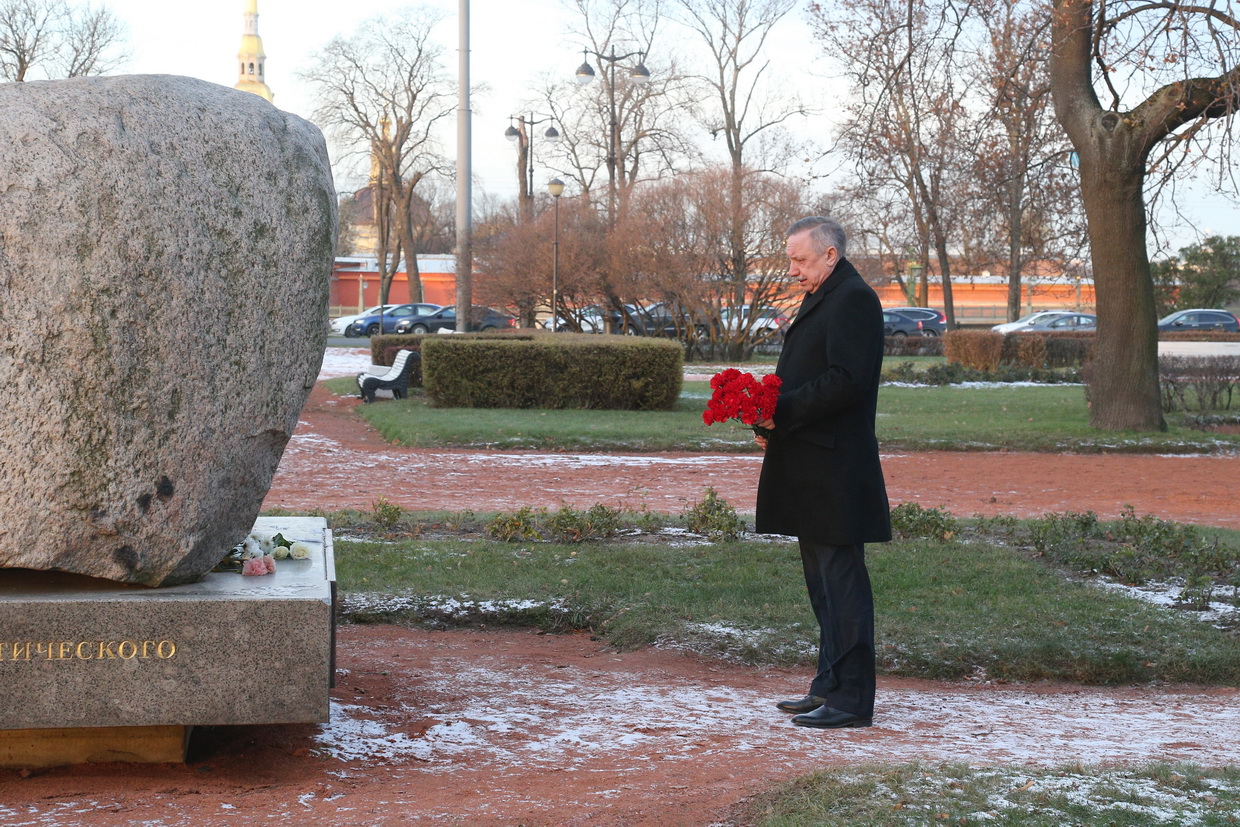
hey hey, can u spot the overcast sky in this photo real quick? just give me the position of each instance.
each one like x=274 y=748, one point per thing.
x=513 y=44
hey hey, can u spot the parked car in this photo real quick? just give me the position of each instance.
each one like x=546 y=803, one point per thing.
x=1063 y=322
x=933 y=321
x=896 y=325
x=369 y=325
x=587 y=321
x=481 y=318
x=767 y=321
x=1033 y=318
x=339 y=326
x=1200 y=319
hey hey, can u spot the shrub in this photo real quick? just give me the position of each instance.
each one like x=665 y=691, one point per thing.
x=714 y=518
x=1028 y=349
x=911 y=520
x=1199 y=383
x=383 y=348
x=912 y=346
x=511 y=526
x=1198 y=336
x=1069 y=350
x=552 y=371
x=571 y=526
x=387 y=514
x=977 y=349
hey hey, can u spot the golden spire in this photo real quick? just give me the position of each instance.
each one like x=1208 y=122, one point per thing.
x=252 y=58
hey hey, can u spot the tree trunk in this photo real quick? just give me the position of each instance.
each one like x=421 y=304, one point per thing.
x=1123 y=383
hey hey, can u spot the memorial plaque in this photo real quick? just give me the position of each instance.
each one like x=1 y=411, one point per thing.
x=229 y=649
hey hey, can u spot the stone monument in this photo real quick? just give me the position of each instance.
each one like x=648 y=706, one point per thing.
x=165 y=251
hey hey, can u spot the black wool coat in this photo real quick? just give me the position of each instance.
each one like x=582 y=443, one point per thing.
x=821 y=478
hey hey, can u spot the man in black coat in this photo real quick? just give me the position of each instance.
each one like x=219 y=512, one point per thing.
x=821 y=479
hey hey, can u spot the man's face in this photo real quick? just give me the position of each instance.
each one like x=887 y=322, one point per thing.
x=807 y=266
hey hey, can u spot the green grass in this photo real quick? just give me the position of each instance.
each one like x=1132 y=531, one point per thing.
x=921 y=794
x=1027 y=418
x=946 y=610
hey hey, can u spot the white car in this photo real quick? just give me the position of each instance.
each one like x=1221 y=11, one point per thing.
x=767 y=321
x=339 y=325
x=588 y=321
x=1041 y=317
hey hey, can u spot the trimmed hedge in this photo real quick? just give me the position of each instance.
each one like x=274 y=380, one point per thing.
x=1068 y=349
x=552 y=371
x=977 y=349
x=912 y=346
x=383 y=349
x=1198 y=336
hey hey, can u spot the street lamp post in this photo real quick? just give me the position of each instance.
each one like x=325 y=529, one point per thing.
x=556 y=187
x=525 y=156
x=638 y=74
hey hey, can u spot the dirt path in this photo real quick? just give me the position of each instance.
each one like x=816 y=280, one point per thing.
x=513 y=727
x=335 y=461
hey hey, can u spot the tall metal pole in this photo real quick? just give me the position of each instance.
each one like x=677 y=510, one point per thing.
x=555 y=270
x=464 y=172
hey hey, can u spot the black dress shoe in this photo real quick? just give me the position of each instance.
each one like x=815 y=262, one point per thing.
x=828 y=717
x=807 y=704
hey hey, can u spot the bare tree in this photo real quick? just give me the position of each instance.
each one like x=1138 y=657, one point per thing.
x=743 y=108
x=909 y=127
x=383 y=91
x=51 y=39
x=1026 y=190
x=646 y=138
x=1170 y=76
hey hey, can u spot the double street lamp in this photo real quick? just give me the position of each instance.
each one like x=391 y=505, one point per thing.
x=638 y=74
x=525 y=155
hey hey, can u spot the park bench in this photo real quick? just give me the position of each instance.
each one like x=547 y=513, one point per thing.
x=394 y=378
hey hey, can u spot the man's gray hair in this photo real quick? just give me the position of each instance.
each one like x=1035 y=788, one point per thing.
x=823 y=232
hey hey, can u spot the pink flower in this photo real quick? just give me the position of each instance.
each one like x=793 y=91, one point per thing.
x=253 y=566
x=270 y=562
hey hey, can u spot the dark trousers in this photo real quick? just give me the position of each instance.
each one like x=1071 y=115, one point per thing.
x=839 y=592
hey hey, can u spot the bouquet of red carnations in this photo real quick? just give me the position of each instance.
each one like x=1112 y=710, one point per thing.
x=742 y=397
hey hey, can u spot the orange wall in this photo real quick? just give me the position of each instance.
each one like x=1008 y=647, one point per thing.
x=437 y=288
x=968 y=295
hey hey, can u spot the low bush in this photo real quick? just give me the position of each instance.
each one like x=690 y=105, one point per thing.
x=1047 y=350
x=566 y=525
x=552 y=371
x=913 y=346
x=1198 y=336
x=383 y=349
x=977 y=349
x=714 y=518
x=952 y=373
x=1029 y=351
x=1199 y=384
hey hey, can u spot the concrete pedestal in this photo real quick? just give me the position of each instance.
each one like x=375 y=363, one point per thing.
x=80 y=656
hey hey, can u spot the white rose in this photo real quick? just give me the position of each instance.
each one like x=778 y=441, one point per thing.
x=279 y=552
x=299 y=551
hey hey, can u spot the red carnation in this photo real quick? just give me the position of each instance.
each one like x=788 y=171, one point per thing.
x=741 y=397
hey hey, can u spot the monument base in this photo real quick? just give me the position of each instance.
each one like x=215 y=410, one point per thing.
x=93 y=670
x=38 y=748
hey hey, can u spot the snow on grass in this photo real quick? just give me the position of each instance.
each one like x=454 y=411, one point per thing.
x=1167 y=595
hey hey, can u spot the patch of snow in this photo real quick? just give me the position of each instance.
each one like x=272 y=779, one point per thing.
x=344 y=361
x=1167 y=595
x=567 y=716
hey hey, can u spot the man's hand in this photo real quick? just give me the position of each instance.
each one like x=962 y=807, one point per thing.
x=761 y=440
